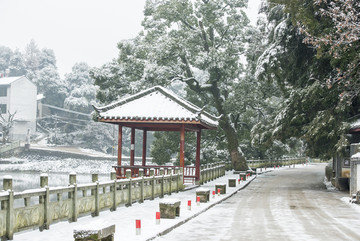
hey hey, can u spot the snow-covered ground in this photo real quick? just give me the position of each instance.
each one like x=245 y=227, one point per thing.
x=26 y=170
x=69 y=149
x=124 y=217
x=55 y=165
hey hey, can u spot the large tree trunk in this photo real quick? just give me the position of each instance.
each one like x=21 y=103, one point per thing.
x=237 y=159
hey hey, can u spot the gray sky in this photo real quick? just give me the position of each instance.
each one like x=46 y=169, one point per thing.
x=77 y=30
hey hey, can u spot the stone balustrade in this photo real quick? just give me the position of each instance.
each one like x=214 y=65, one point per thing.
x=210 y=172
x=41 y=207
x=46 y=205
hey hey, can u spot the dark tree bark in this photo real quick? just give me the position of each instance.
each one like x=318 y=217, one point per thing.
x=237 y=159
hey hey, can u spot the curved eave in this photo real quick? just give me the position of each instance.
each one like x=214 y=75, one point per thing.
x=354 y=130
x=158 y=124
x=177 y=99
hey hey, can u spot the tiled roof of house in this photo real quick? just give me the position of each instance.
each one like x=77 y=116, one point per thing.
x=156 y=103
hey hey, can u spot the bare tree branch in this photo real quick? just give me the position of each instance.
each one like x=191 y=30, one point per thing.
x=7 y=124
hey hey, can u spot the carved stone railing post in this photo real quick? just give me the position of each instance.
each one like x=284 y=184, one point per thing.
x=95 y=193
x=202 y=172
x=113 y=175
x=44 y=183
x=170 y=172
x=153 y=182
x=113 y=190
x=162 y=182
x=94 y=179
x=177 y=171
x=9 y=206
x=141 y=174
x=73 y=196
x=128 y=173
x=114 y=196
x=130 y=192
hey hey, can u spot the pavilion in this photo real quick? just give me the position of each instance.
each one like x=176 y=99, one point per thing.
x=156 y=109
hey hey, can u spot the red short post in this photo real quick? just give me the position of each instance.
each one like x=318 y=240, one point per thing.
x=239 y=181
x=213 y=194
x=242 y=179
x=219 y=191
x=198 y=200
x=138 y=226
x=189 y=205
x=157 y=217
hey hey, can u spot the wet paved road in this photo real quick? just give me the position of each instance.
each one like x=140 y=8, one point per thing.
x=289 y=204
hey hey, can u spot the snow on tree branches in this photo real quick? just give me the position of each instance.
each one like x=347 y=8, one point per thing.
x=341 y=42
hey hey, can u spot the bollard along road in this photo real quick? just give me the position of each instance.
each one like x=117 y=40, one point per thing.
x=285 y=204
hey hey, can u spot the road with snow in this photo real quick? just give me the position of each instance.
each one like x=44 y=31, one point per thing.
x=291 y=204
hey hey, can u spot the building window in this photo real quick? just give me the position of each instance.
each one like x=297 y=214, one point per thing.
x=3 y=91
x=3 y=108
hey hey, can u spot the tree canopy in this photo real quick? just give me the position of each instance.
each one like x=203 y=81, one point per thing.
x=287 y=86
x=198 y=43
x=313 y=52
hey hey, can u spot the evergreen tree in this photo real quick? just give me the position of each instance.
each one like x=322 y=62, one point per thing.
x=5 y=57
x=312 y=111
x=47 y=58
x=17 y=65
x=32 y=59
x=198 y=43
x=81 y=90
x=51 y=86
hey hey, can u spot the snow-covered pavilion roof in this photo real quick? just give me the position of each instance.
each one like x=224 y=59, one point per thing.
x=156 y=105
x=355 y=126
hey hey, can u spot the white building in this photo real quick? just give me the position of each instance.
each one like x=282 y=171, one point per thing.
x=18 y=94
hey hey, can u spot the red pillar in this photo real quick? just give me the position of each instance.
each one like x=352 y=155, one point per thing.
x=197 y=160
x=119 y=150
x=182 y=146
x=144 y=148
x=132 y=147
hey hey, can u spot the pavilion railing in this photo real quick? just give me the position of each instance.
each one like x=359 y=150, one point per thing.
x=207 y=172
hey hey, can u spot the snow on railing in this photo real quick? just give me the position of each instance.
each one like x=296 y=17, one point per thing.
x=9 y=146
x=45 y=205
